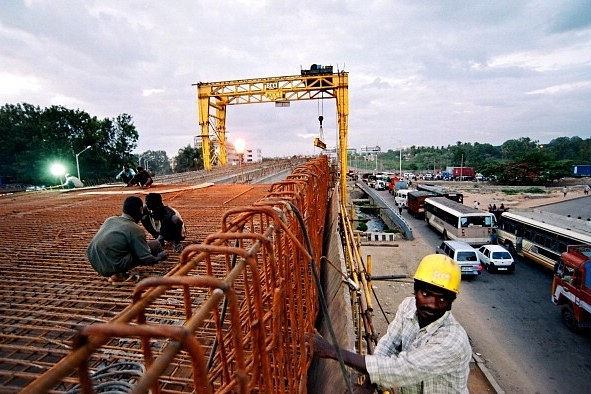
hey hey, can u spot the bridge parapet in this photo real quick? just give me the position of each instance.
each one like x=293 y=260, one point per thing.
x=389 y=213
x=381 y=237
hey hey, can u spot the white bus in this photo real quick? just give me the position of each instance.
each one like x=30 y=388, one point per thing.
x=541 y=236
x=456 y=221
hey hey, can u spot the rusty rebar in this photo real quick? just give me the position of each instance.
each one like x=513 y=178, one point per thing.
x=260 y=343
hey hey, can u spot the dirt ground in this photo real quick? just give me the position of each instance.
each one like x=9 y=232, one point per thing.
x=402 y=257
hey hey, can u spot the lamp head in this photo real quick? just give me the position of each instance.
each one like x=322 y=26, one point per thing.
x=239 y=146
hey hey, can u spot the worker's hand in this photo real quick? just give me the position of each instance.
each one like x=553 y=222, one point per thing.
x=162 y=256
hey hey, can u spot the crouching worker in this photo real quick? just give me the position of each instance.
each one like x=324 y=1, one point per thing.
x=425 y=349
x=163 y=222
x=126 y=174
x=142 y=179
x=120 y=244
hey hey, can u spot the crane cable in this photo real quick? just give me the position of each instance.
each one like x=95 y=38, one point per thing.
x=320 y=111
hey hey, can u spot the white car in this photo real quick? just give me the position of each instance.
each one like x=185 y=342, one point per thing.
x=496 y=258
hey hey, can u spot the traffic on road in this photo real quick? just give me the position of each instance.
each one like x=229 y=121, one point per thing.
x=514 y=326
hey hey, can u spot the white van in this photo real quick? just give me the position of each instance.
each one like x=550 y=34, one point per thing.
x=463 y=254
x=401 y=197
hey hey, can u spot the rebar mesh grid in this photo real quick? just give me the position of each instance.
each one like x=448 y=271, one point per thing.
x=229 y=314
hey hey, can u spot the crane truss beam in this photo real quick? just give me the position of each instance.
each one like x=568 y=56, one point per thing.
x=214 y=97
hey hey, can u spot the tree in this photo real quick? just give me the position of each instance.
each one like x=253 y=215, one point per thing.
x=34 y=138
x=188 y=159
x=156 y=162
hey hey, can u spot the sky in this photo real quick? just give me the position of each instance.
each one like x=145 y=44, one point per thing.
x=422 y=73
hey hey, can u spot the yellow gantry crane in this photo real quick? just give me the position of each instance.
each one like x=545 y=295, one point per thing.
x=316 y=83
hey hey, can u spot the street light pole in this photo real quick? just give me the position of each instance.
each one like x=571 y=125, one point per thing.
x=399 y=156
x=239 y=146
x=400 y=169
x=77 y=163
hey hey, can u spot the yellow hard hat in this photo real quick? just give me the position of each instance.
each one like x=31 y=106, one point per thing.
x=441 y=271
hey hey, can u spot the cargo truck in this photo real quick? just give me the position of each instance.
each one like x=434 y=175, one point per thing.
x=571 y=287
x=582 y=170
x=396 y=184
x=415 y=202
x=460 y=173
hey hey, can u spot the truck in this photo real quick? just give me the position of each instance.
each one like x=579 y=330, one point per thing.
x=441 y=192
x=571 y=287
x=415 y=202
x=582 y=170
x=461 y=173
x=395 y=184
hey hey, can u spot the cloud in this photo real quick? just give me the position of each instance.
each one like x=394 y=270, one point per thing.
x=564 y=88
x=549 y=60
x=150 y=92
x=419 y=72
x=308 y=135
x=13 y=85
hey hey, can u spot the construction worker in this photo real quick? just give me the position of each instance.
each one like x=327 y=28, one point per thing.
x=425 y=349
x=120 y=244
x=164 y=223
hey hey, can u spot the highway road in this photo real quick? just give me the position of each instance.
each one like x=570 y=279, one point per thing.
x=515 y=327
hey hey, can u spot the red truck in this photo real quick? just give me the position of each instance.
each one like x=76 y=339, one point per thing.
x=415 y=203
x=571 y=287
x=460 y=173
x=395 y=184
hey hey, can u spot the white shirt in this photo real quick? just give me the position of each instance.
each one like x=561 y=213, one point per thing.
x=432 y=359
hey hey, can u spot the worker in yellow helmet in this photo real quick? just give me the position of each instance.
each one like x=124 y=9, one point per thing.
x=425 y=349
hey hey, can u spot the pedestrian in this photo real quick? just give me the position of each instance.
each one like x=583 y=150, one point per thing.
x=400 y=209
x=142 y=179
x=587 y=189
x=126 y=174
x=425 y=349
x=120 y=244
x=476 y=204
x=564 y=191
x=163 y=222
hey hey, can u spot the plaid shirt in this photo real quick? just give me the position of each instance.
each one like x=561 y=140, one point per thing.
x=432 y=359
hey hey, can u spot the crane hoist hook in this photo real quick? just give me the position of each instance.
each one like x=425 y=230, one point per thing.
x=320 y=119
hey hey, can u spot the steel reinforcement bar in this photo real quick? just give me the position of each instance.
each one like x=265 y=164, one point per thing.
x=231 y=316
